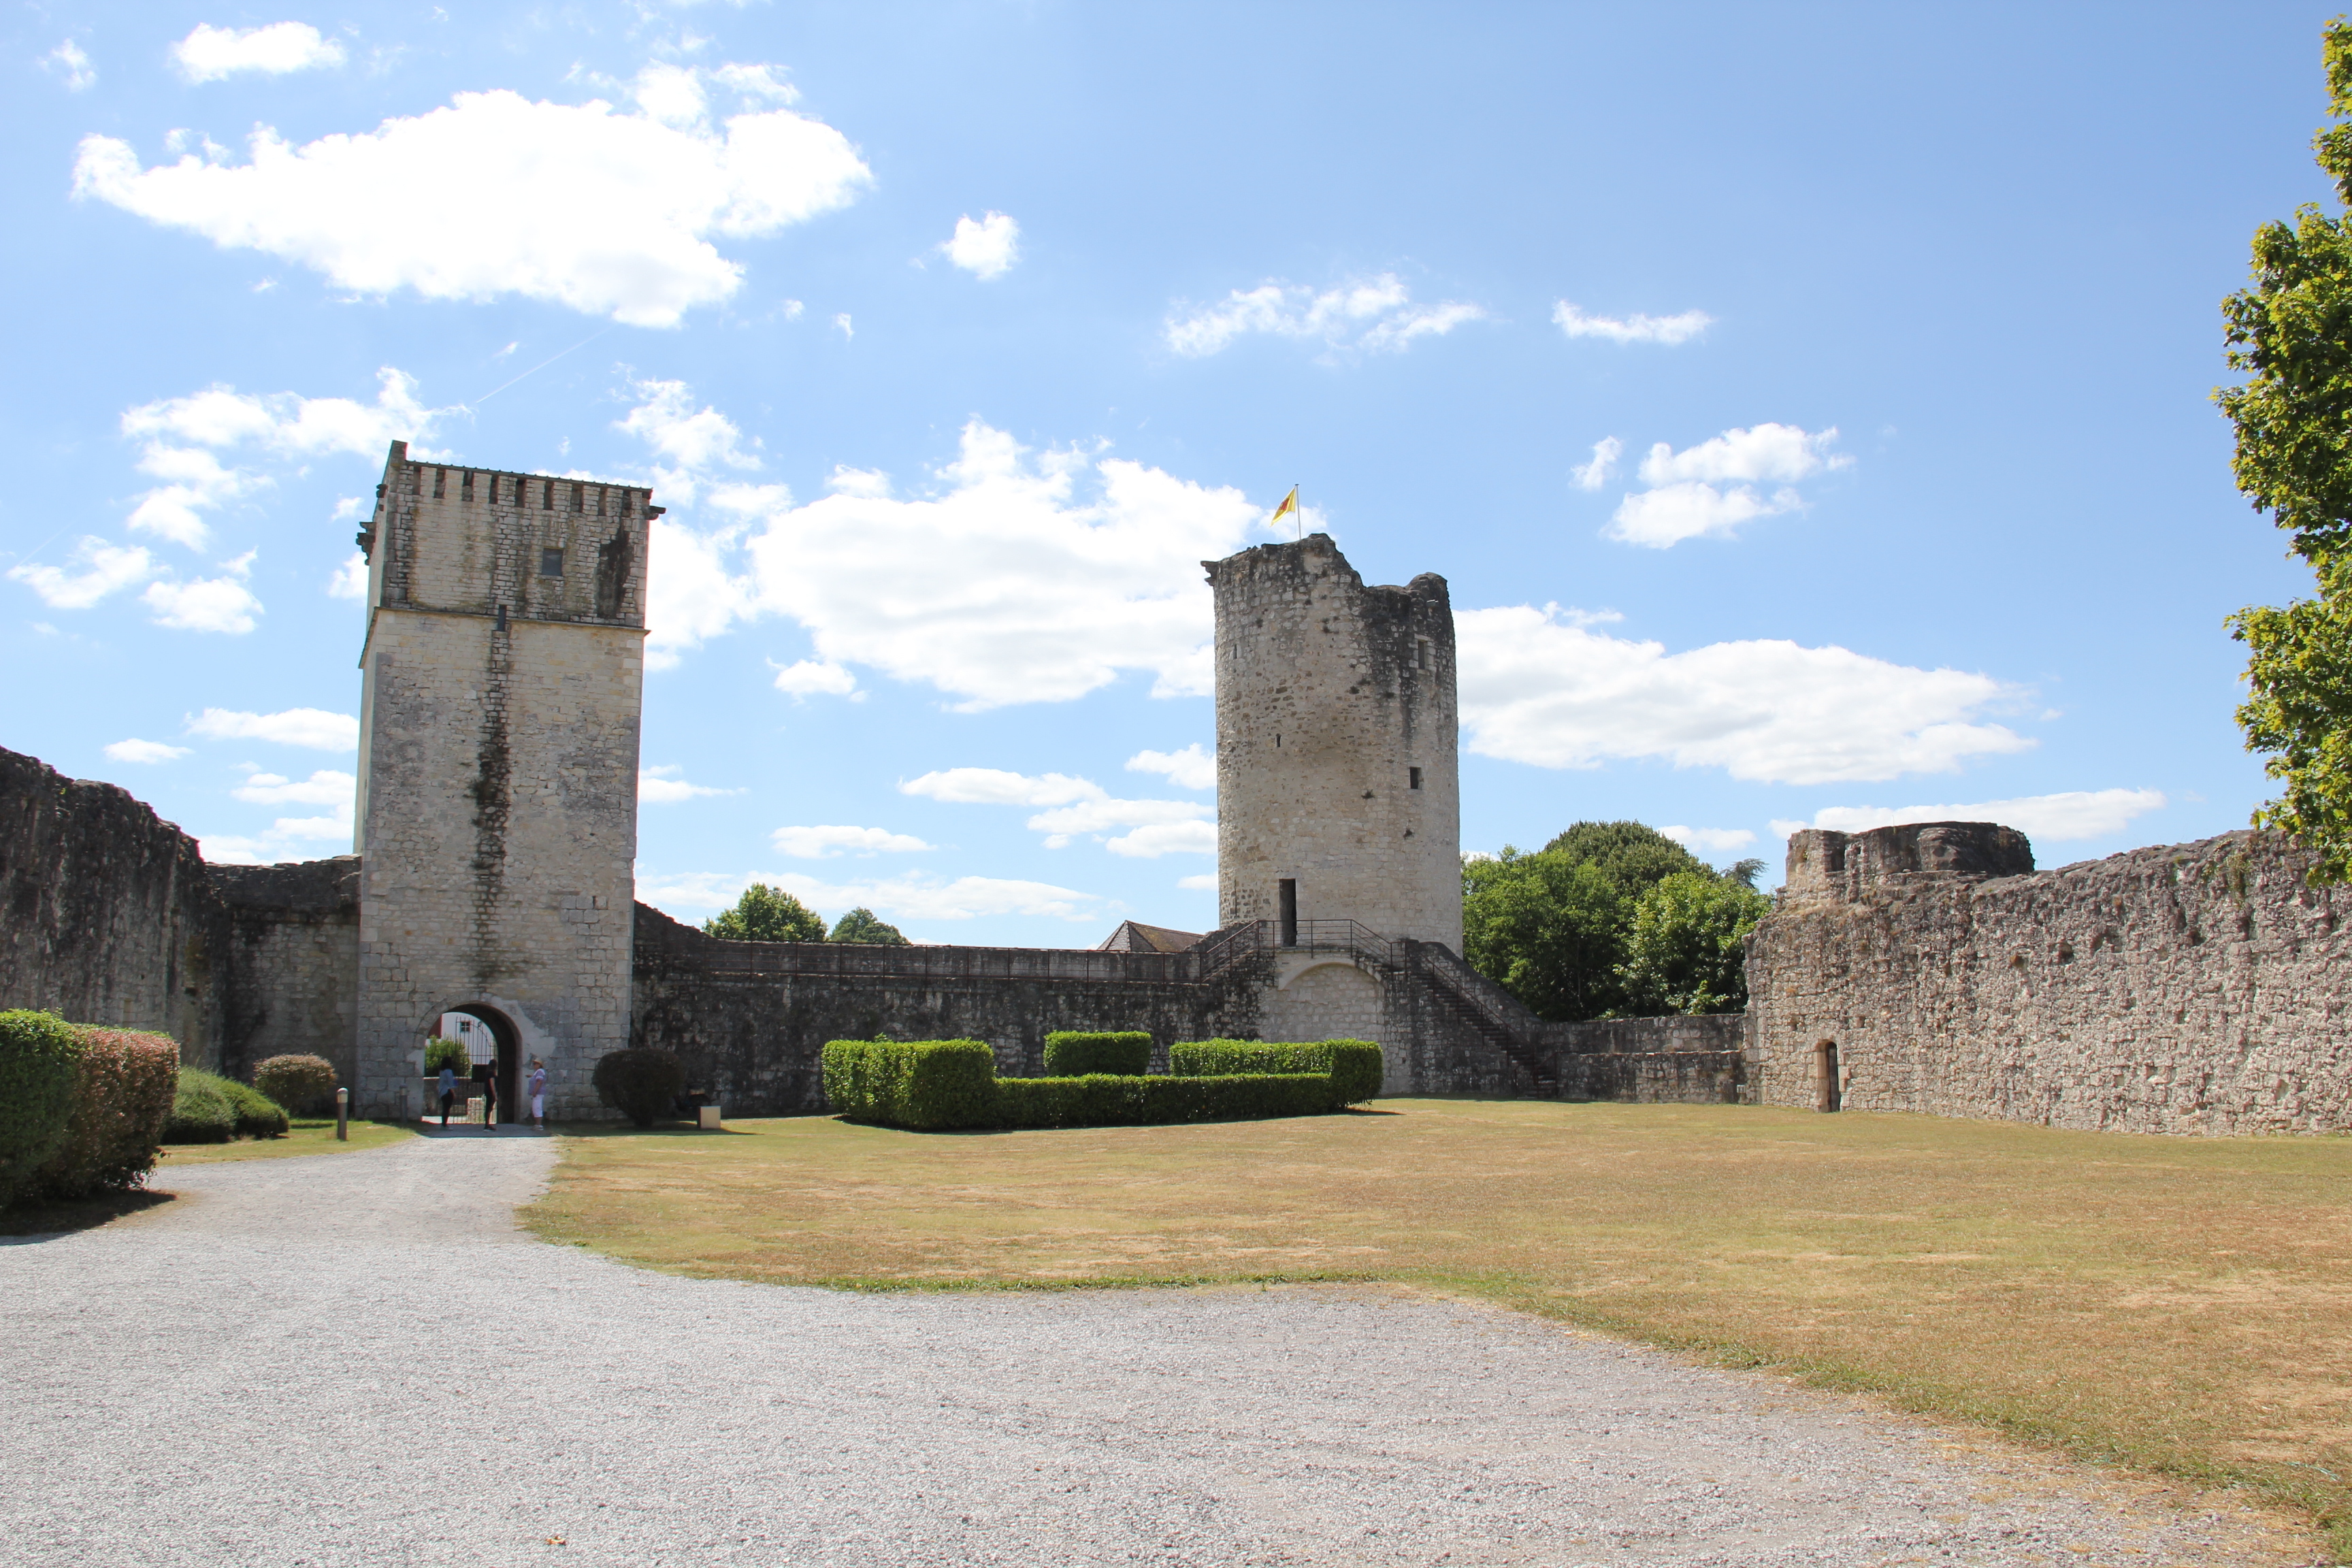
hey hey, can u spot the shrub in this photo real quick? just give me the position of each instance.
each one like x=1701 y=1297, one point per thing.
x=201 y=1113
x=1356 y=1066
x=123 y=1092
x=1072 y=1054
x=861 y=924
x=449 y=1053
x=1105 y=1100
x=297 y=1083
x=39 y=1053
x=923 y=1084
x=641 y=1083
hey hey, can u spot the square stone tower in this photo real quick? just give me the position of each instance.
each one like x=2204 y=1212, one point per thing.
x=504 y=674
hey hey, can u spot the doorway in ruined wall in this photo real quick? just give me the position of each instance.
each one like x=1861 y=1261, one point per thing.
x=1829 y=1091
x=492 y=1041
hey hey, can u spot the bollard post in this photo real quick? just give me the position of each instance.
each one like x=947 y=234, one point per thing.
x=344 y=1115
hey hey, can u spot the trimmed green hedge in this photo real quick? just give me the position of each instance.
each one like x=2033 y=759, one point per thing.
x=1355 y=1066
x=40 y=1054
x=1107 y=1099
x=924 y=1084
x=641 y=1083
x=304 y=1085
x=1071 y=1053
x=210 y=1109
x=123 y=1090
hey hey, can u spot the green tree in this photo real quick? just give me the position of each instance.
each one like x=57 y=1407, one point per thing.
x=2292 y=334
x=860 y=924
x=1633 y=855
x=767 y=914
x=1685 y=947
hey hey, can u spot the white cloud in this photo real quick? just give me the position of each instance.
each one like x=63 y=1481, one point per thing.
x=825 y=842
x=552 y=174
x=213 y=53
x=809 y=678
x=847 y=328
x=1592 y=476
x=1077 y=805
x=671 y=94
x=871 y=484
x=1683 y=502
x=1536 y=688
x=324 y=787
x=206 y=604
x=2072 y=814
x=1631 y=329
x=136 y=750
x=1710 y=840
x=1374 y=313
x=69 y=60
x=1205 y=882
x=987 y=248
x=693 y=442
x=1191 y=768
x=95 y=569
x=351 y=579
x=909 y=896
x=995 y=786
x=757 y=81
x=312 y=727
x=1155 y=839
x=667 y=786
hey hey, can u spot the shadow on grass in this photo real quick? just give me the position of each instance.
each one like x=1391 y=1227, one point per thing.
x=45 y=1221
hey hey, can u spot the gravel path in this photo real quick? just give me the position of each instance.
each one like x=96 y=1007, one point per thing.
x=358 y=1359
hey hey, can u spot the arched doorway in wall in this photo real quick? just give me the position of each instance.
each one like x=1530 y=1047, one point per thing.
x=1829 y=1091
x=491 y=1040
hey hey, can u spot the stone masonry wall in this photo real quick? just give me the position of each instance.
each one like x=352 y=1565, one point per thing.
x=2187 y=988
x=294 y=948
x=1332 y=699
x=503 y=680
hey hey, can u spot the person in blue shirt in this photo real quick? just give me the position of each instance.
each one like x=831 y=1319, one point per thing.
x=448 y=1090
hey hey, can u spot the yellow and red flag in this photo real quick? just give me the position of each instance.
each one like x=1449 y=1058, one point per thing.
x=1289 y=504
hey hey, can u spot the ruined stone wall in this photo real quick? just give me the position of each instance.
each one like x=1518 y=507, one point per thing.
x=1333 y=698
x=105 y=913
x=2188 y=988
x=293 y=946
x=502 y=686
x=751 y=1018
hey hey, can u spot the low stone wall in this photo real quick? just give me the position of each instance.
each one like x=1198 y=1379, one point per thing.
x=2188 y=988
x=294 y=949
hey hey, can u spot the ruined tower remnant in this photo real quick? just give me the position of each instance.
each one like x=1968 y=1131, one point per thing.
x=1337 y=787
x=503 y=679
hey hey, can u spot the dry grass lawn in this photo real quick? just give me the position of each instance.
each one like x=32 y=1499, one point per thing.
x=2175 y=1304
x=305 y=1136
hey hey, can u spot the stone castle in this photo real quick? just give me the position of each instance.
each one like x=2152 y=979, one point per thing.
x=1919 y=968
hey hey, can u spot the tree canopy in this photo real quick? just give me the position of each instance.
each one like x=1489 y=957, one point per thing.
x=860 y=924
x=1611 y=919
x=2291 y=332
x=767 y=914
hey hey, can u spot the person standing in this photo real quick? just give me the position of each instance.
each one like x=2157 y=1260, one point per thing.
x=448 y=1090
x=488 y=1073
x=539 y=1094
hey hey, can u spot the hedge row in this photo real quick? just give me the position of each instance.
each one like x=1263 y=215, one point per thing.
x=210 y=1109
x=934 y=1084
x=1355 y=1066
x=82 y=1110
x=1070 y=1053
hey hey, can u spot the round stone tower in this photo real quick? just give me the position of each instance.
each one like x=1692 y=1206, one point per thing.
x=1338 y=795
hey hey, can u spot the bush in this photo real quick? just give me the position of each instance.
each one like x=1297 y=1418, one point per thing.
x=297 y=1083
x=1105 y=1100
x=123 y=1092
x=449 y=1053
x=861 y=924
x=1355 y=1067
x=210 y=1109
x=40 y=1055
x=641 y=1083
x=1072 y=1054
x=923 y=1084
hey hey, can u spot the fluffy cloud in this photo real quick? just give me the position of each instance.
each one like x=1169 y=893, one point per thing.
x=1592 y=476
x=2072 y=814
x=206 y=604
x=1079 y=806
x=1204 y=882
x=825 y=843
x=1710 y=840
x=1685 y=500
x=351 y=579
x=70 y=61
x=137 y=750
x=908 y=896
x=1007 y=584
x=987 y=248
x=324 y=787
x=214 y=54
x=1631 y=329
x=692 y=441
x=1191 y=768
x=667 y=786
x=539 y=166
x=1369 y=313
x=1537 y=688
x=312 y=727
x=288 y=836
x=95 y=569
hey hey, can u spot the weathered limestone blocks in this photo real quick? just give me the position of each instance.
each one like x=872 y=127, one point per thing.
x=2188 y=988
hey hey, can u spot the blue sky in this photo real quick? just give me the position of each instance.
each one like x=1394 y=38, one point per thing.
x=1807 y=405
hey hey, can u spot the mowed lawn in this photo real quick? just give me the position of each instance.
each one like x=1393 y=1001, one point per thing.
x=2179 y=1304
x=306 y=1135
